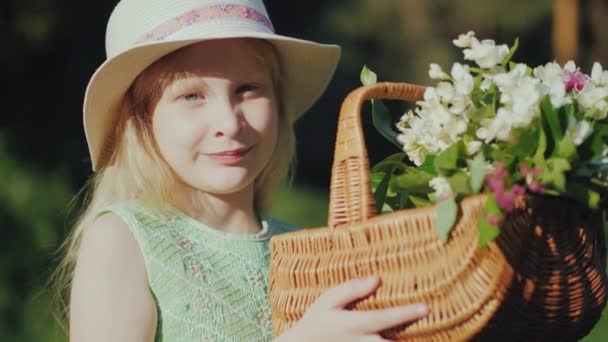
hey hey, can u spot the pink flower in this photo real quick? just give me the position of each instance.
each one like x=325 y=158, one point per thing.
x=526 y=171
x=536 y=187
x=496 y=180
x=506 y=200
x=530 y=175
x=574 y=80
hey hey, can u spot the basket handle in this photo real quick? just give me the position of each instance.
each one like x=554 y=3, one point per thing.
x=350 y=198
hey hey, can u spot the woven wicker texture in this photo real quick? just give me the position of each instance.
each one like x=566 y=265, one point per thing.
x=542 y=279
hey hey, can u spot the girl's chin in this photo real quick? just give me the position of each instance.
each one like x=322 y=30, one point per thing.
x=224 y=185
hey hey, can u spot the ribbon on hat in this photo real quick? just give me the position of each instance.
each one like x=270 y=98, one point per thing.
x=205 y=14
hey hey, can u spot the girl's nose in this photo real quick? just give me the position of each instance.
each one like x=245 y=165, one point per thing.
x=229 y=119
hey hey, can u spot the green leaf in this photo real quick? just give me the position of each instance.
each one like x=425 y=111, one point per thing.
x=554 y=173
x=428 y=165
x=565 y=148
x=487 y=232
x=420 y=201
x=483 y=111
x=383 y=122
x=478 y=167
x=375 y=179
x=380 y=188
x=386 y=208
x=411 y=182
x=550 y=117
x=447 y=160
x=492 y=208
x=381 y=117
x=390 y=163
x=459 y=183
x=592 y=147
x=497 y=153
x=539 y=155
x=367 y=76
x=512 y=50
x=446 y=212
x=527 y=142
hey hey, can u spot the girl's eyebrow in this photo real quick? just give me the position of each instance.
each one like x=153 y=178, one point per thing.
x=180 y=85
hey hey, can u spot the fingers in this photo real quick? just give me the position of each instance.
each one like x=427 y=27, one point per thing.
x=347 y=292
x=377 y=320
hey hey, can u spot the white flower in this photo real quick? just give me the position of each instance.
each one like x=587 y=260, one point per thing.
x=445 y=91
x=498 y=127
x=551 y=76
x=464 y=40
x=578 y=131
x=436 y=73
x=463 y=80
x=412 y=128
x=595 y=99
x=570 y=66
x=434 y=126
x=472 y=147
x=430 y=93
x=599 y=76
x=415 y=152
x=441 y=187
x=485 y=53
x=525 y=102
x=520 y=94
x=460 y=104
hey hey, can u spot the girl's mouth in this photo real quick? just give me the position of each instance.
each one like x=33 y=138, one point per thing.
x=230 y=157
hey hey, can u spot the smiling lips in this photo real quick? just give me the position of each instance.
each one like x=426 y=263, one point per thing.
x=230 y=157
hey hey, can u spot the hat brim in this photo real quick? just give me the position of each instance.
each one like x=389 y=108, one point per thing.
x=307 y=69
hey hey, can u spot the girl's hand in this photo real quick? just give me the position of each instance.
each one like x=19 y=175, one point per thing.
x=328 y=320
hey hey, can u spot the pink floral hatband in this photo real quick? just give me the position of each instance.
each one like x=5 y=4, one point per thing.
x=203 y=14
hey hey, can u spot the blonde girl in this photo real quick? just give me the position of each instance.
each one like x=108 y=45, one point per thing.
x=189 y=124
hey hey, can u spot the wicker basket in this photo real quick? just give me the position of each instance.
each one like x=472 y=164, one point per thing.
x=543 y=279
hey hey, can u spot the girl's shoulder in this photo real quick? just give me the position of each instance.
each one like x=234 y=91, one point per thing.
x=141 y=220
x=118 y=281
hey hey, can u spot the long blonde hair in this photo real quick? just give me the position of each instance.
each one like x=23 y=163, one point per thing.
x=131 y=167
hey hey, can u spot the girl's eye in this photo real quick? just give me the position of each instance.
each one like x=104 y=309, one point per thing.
x=247 y=88
x=192 y=97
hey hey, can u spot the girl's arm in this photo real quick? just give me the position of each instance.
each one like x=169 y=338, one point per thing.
x=110 y=298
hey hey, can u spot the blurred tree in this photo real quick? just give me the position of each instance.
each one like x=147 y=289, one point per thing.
x=597 y=12
x=565 y=30
x=32 y=213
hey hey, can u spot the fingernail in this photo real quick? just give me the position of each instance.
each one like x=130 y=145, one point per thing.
x=421 y=309
x=369 y=281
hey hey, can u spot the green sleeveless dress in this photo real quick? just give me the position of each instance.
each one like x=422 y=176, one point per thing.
x=208 y=285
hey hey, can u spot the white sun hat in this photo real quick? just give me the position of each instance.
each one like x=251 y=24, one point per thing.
x=139 y=32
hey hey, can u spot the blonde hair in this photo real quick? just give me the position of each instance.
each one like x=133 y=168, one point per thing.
x=131 y=167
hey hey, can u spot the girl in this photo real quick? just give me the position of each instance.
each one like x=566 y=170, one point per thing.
x=189 y=127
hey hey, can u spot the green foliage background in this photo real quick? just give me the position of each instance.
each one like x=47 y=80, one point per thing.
x=52 y=47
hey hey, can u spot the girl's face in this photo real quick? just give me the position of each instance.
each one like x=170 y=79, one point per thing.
x=216 y=125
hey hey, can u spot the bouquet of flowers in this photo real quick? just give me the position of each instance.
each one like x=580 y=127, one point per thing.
x=497 y=127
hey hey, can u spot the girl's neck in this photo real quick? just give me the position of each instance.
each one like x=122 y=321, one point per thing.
x=231 y=213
